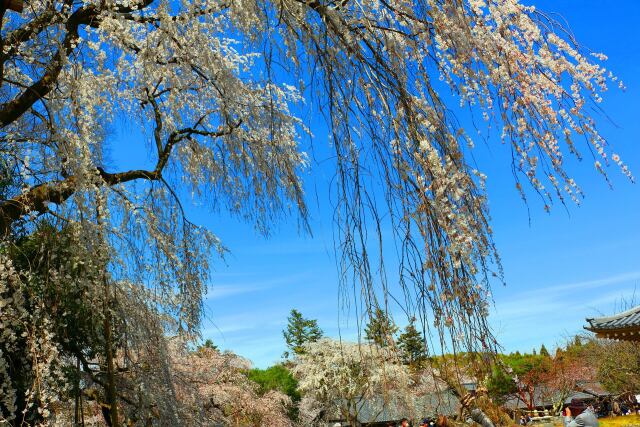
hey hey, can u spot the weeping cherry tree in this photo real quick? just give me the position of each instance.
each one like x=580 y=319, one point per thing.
x=217 y=88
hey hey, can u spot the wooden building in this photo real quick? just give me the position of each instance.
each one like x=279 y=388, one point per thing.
x=624 y=326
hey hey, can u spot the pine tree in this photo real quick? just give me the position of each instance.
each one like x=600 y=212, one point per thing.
x=380 y=329
x=208 y=344
x=299 y=332
x=412 y=345
x=543 y=351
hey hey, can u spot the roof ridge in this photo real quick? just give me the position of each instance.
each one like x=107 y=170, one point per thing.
x=615 y=316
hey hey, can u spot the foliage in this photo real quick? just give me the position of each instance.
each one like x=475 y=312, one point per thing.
x=209 y=84
x=531 y=376
x=224 y=127
x=64 y=357
x=500 y=384
x=46 y=283
x=278 y=378
x=341 y=376
x=213 y=388
x=565 y=376
x=412 y=345
x=208 y=344
x=380 y=329
x=299 y=332
x=543 y=351
x=617 y=364
x=521 y=364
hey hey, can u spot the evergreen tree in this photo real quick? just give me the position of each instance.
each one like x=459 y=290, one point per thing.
x=412 y=345
x=543 y=351
x=208 y=344
x=299 y=332
x=500 y=384
x=380 y=329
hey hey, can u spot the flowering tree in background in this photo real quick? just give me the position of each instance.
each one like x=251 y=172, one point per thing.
x=565 y=376
x=341 y=377
x=213 y=388
x=215 y=87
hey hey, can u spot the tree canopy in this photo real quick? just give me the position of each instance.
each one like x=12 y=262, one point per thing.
x=381 y=329
x=412 y=345
x=300 y=331
x=218 y=90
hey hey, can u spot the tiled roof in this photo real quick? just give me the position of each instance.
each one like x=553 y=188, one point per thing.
x=624 y=320
x=593 y=387
x=543 y=397
x=379 y=409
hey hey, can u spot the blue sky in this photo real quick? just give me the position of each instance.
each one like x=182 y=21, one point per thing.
x=559 y=267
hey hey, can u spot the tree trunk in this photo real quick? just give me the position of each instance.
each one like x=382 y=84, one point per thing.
x=111 y=393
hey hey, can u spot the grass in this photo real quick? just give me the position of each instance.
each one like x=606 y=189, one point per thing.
x=629 y=420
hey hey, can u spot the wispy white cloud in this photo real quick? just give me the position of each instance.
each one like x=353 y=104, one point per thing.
x=250 y=283
x=222 y=291
x=559 y=297
x=550 y=314
x=597 y=283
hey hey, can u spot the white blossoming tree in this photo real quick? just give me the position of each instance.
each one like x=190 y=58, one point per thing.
x=343 y=377
x=209 y=83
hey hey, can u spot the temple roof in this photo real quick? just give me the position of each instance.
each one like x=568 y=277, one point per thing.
x=623 y=326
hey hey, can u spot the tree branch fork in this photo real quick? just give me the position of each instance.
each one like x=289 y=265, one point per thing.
x=37 y=198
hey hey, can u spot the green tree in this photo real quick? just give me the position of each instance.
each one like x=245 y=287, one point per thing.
x=543 y=351
x=412 y=345
x=500 y=384
x=381 y=328
x=299 y=332
x=207 y=344
x=279 y=378
x=77 y=327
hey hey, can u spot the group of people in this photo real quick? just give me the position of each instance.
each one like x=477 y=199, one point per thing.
x=441 y=421
x=577 y=414
x=626 y=407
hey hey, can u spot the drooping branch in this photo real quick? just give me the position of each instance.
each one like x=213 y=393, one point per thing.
x=37 y=199
x=12 y=110
x=87 y=15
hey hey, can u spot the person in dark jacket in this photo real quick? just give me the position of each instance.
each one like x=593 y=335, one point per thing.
x=583 y=416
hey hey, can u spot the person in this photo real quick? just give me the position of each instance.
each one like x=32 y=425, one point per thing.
x=566 y=415
x=404 y=423
x=616 y=409
x=583 y=416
